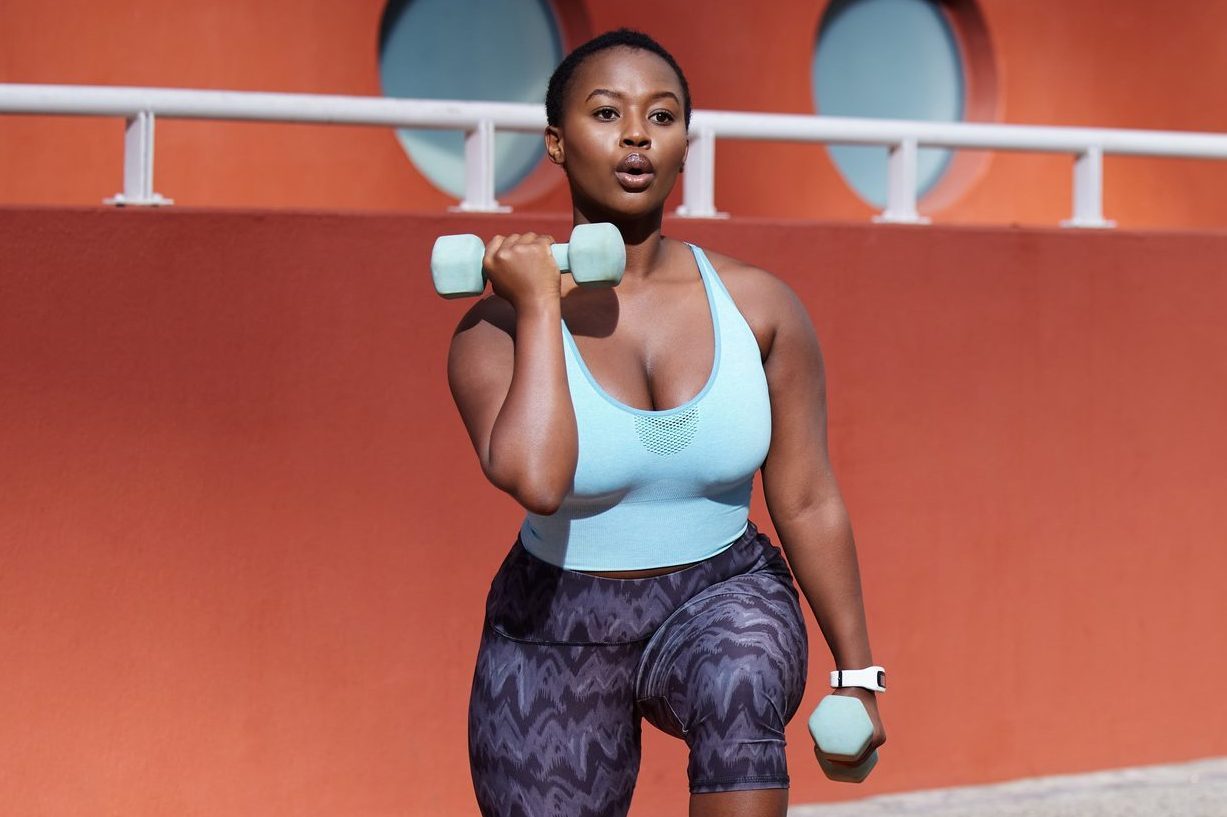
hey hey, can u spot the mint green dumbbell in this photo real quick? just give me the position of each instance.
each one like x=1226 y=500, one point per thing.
x=842 y=729
x=595 y=256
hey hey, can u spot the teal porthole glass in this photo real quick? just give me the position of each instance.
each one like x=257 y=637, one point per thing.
x=891 y=59
x=500 y=50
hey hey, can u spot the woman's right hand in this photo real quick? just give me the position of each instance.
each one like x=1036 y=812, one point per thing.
x=522 y=269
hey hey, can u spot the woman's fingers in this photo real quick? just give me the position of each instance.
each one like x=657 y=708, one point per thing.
x=492 y=246
x=521 y=267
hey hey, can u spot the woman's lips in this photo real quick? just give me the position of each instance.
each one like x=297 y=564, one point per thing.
x=635 y=172
x=635 y=181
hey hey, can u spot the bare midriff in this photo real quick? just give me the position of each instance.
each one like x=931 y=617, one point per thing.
x=646 y=573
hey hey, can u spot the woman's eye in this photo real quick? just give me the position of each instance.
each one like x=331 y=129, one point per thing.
x=662 y=117
x=605 y=114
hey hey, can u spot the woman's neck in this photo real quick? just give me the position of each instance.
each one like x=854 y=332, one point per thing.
x=645 y=248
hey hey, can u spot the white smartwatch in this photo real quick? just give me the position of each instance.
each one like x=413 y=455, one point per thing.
x=873 y=678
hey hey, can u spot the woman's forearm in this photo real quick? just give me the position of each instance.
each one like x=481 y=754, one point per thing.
x=819 y=546
x=533 y=443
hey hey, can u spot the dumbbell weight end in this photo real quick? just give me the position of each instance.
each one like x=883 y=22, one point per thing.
x=455 y=265
x=848 y=774
x=595 y=256
x=841 y=730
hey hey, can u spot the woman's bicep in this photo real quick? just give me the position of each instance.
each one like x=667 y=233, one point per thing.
x=479 y=372
x=797 y=474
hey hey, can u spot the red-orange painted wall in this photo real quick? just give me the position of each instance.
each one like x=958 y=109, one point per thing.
x=1109 y=63
x=244 y=541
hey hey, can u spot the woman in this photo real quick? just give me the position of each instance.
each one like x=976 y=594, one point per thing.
x=629 y=423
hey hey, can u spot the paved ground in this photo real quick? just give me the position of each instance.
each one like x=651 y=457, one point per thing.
x=1197 y=789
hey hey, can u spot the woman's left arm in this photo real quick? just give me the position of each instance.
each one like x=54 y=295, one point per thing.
x=803 y=497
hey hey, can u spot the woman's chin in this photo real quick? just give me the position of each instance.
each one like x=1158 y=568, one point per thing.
x=625 y=205
x=638 y=197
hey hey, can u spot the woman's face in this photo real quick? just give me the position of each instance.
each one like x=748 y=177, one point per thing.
x=622 y=139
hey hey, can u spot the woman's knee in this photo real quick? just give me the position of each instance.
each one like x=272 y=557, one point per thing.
x=742 y=646
x=727 y=675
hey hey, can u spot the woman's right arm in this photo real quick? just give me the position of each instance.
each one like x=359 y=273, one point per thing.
x=509 y=379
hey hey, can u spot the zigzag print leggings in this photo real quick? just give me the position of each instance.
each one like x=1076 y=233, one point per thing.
x=714 y=654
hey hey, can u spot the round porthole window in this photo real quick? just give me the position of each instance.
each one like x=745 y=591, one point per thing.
x=891 y=59
x=497 y=50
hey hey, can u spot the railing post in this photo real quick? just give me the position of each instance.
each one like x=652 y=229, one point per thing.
x=479 y=171
x=901 y=188
x=138 y=165
x=1088 y=191
x=699 y=177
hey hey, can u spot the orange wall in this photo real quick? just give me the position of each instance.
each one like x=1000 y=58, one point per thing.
x=244 y=541
x=1082 y=62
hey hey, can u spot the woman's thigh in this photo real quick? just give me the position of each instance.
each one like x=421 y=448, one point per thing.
x=726 y=673
x=553 y=729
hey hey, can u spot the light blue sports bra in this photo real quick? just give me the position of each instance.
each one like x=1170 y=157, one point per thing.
x=662 y=488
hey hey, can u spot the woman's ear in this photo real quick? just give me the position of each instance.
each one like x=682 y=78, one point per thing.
x=553 y=146
x=686 y=152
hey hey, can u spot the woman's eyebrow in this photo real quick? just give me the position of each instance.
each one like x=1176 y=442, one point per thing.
x=620 y=95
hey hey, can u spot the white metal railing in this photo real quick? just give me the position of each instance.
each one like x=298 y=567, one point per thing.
x=481 y=120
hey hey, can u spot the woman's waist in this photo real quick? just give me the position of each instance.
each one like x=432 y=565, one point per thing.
x=637 y=536
x=534 y=600
x=644 y=573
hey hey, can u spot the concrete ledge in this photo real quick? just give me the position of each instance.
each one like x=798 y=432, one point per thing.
x=1197 y=789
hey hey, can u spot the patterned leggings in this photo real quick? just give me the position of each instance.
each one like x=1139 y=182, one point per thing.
x=714 y=654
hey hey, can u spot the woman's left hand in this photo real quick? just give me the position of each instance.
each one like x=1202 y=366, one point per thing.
x=870 y=699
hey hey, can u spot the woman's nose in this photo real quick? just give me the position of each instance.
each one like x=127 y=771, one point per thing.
x=635 y=136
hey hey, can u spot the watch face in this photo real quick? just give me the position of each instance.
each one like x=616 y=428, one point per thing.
x=881 y=679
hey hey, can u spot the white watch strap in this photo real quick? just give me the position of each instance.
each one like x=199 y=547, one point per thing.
x=873 y=678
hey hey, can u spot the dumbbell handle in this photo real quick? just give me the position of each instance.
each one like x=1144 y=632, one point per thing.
x=562 y=254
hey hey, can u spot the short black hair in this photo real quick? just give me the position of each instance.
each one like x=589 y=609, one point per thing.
x=618 y=38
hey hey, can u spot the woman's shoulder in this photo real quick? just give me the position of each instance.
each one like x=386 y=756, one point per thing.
x=762 y=298
x=748 y=282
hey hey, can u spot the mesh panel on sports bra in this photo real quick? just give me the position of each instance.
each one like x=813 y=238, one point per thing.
x=669 y=434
